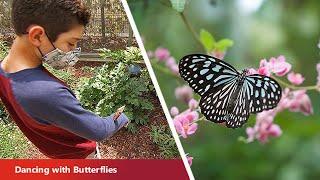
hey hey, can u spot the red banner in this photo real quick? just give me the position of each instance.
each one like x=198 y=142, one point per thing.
x=92 y=169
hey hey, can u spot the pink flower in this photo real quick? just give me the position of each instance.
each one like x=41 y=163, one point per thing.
x=266 y=130
x=264 y=63
x=264 y=127
x=184 y=93
x=305 y=105
x=183 y=126
x=189 y=158
x=191 y=116
x=174 y=69
x=252 y=71
x=279 y=66
x=294 y=100
x=150 y=54
x=218 y=54
x=170 y=62
x=297 y=101
x=162 y=54
x=295 y=78
x=264 y=71
x=284 y=101
x=251 y=134
x=266 y=116
x=264 y=68
x=185 y=123
x=276 y=65
x=193 y=104
x=174 y=111
x=172 y=65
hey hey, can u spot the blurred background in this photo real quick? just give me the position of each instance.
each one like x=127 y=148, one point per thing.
x=260 y=29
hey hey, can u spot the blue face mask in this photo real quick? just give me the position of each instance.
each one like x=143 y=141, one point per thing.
x=59 y=59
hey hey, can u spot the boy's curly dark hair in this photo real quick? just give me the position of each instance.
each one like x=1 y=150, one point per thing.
x=56 y=16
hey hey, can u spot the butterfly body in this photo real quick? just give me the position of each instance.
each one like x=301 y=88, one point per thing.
x=233 y=97
x=226 y=94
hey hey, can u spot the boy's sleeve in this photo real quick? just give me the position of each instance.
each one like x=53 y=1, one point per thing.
x=58 y=106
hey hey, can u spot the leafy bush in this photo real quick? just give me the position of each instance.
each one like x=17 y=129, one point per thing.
x=161 y=136
x=3 y=50
x=113 y=86
x=3 y=113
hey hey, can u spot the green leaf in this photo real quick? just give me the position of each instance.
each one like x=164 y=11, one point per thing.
x=207 y=40
x=223 y=44
x=178 y=5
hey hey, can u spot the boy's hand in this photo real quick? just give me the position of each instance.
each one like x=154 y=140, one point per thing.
x=118 y=113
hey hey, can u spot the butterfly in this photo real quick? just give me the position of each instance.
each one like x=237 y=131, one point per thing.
x=228 y=96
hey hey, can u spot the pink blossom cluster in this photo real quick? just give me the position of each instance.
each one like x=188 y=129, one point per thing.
x=293 y=100
x=279 y=67
x=184 y=93
x=163 y=55
x=185 y=122
x=264 y=127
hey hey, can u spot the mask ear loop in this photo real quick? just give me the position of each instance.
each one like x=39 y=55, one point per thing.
x=40 y=51
x=50 y=40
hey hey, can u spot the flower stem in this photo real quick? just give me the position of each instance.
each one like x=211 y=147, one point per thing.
x=164 y=70
x=295 y=87
x=200 y=119
x=191 y=29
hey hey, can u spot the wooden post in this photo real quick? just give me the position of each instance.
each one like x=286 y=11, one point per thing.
x=130 y=35
x=103 y=19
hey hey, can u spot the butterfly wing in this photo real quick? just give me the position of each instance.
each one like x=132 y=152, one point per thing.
x=264 y=92
x=213 y=105
x=204 y=73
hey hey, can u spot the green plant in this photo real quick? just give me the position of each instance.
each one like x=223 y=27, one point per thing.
x=130 y=55
x=3 y=113
x=4 y=116
x=3 y=52
x=13 y=143
x=161 y=136
x=113 y=86
x=210 y=44
x=4 y=49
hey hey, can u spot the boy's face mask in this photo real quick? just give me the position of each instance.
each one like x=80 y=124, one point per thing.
x=59 y=59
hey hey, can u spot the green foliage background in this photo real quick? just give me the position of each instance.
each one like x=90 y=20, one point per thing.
x=291 y=28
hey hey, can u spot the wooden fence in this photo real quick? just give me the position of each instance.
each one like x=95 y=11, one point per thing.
x=108 y=25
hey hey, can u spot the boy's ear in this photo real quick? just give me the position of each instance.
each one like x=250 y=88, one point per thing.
x=36 y=35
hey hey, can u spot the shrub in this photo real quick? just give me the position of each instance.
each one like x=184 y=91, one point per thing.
x=4 y=49
x=161 y=136
x=114 y=85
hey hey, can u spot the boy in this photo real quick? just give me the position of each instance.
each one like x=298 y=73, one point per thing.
x=43 y=107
